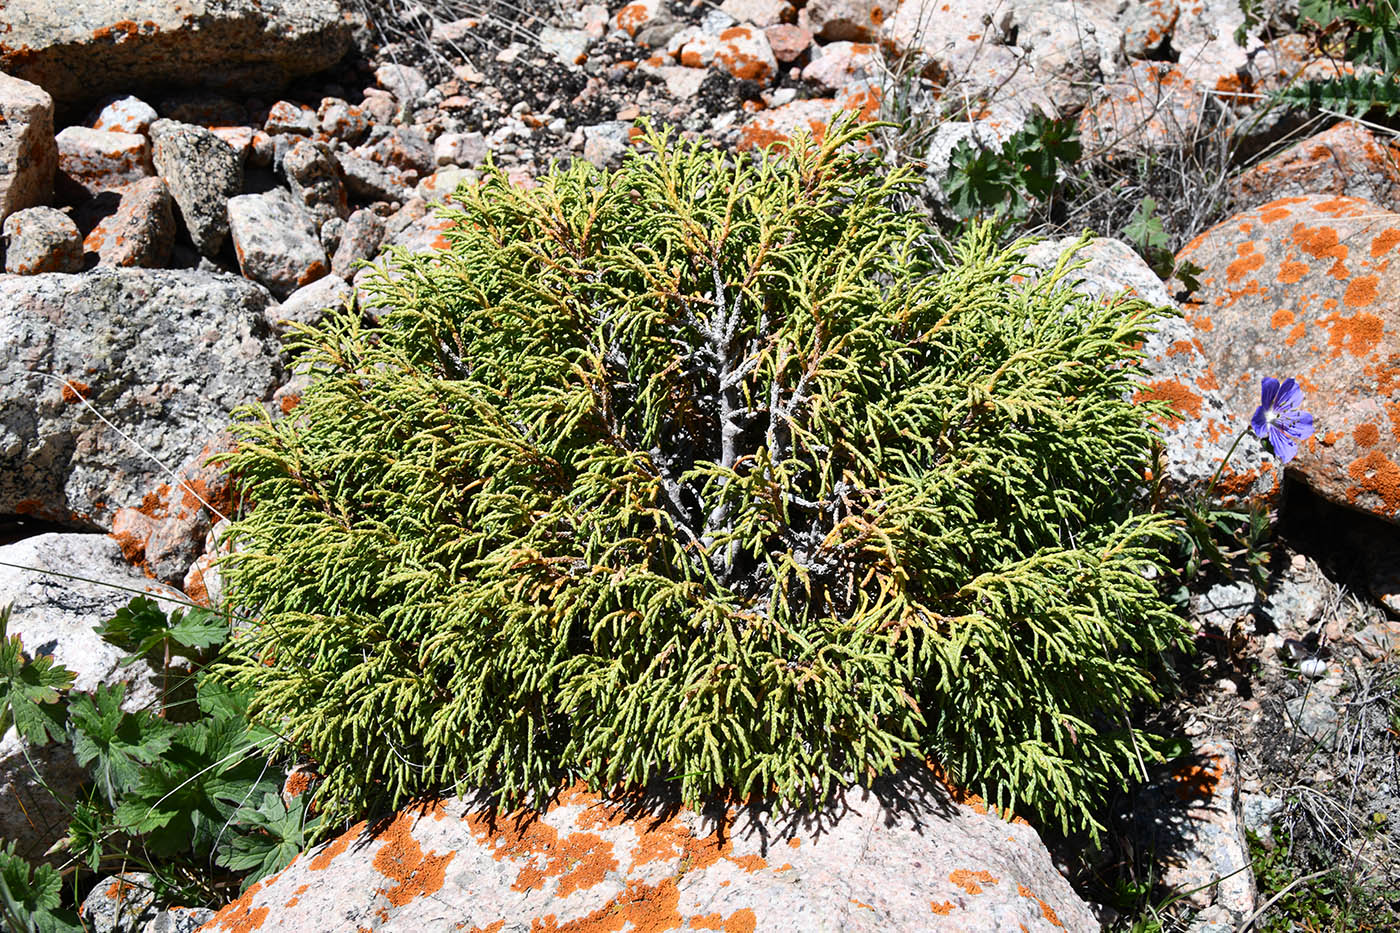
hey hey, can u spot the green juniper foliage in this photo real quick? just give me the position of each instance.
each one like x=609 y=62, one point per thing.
x=702 y=470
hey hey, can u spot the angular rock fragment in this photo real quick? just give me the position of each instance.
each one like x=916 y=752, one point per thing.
x=93 y=161
x=202 y=173
x=276 y=242
x=41 y=239
x=28 y=156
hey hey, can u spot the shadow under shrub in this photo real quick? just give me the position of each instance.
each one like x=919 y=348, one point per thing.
x=709 y=469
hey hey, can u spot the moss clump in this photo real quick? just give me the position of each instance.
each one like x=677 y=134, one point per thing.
x=707 y=469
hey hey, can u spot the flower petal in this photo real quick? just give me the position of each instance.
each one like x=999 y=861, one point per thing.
x=1289 y=395
x=1258 y=424
x=1268 y=391
x=1301 y=427
x=1285 y=448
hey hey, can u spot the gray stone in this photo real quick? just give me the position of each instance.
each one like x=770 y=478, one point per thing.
x=276 y=241
x=904 y=856
x=79 y=49
x=1225 y=606
x=307 y=305
x=567 y=46
x=179 y=920
x=360 y=240
x=1314 y=714
x=605 y=143
x=405 y=82
x=28 y=156
x=41 y=239
x=371 y=181
x=314 y=178
x=402 y=148
x=202 y=173
x=467 y=150
x=123 y=903
x=163 y=355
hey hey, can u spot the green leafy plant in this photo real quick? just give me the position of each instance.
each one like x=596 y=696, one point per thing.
x=166 y=796
x=1365 y=33
x=1006 y=182
x=707 y=470
x=31 y=689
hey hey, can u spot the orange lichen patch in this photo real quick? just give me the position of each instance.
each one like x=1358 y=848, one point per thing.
x=1045 y=910
x=631 y=17
x=736 y=62
x=579 y=860
x=1250 y=260
x=402 y=860
x=1377 y=474
x=968 y=880
x=860 y=903
x=74 y=391
x=749 y=863
x=1366 y=435
x=1277 y=210
x=647 y=908
x=1181 y=346
x=794 y=842
x=1197 y=781
x=1291 y=270
x=1361 y=291
x=1295 y=334
x=1357 y=335
x=1186 y=403
x=1385 y=241
x=1323 y=243
x=289 y=401
x=490 y=928
x=241 y=916
x=1282 y=318
x=942 y=909
x=323 y=859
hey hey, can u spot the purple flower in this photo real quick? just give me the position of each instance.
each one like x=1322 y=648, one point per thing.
x=1279 y=419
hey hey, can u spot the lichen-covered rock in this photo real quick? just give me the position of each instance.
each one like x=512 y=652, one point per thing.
x=126 y=114
x=294 y=119
x=93 y=161
x=842 y=63
x=1197 y=439
x=1347 y=159
x=122 y=903
x=1192 y=822
x=202 y=173
x=742 y=50
x=54 y=614
x=1149 y=107
x=166 y=355
x=779 y=124
x=165 y=534
x=79 y=49
x=1307 y=287
x=903 y=857
x=314 y=177
x=276 y=241
x=140 y=231
x=41 y=239
x=28 y=156
x=340 y=119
